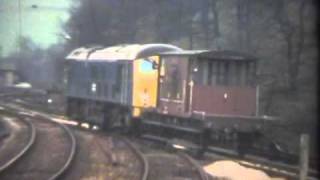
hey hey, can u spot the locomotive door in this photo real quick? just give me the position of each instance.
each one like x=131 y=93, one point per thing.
x=173 y=85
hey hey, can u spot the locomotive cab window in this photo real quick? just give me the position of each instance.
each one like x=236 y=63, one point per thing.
x=146 y=66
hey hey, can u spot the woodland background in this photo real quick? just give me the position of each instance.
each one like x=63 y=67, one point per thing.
x=280 y=33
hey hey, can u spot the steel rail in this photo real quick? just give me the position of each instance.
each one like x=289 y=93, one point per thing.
x=199 y=169
x=108 y=153
x=72 y=151
x=141 y=157
x=13 y=111
x=25 y=149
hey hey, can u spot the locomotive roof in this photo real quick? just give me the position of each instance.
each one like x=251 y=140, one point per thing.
x=212 y=54
x=120 y=52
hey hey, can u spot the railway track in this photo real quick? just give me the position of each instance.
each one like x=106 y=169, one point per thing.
x=167 y=163
x=123 y=159
x=167 y=166
x=271 y=167
x=202 y=174
x=104 y=156
x=143 y=159
x=12 y=157
x=127 y=160
x=157 y=152
x=47 y=155
x=118 y=162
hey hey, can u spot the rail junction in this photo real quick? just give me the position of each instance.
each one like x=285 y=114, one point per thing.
x=93 y=153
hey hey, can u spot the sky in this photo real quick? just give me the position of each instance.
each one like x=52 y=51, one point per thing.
x=42 y=24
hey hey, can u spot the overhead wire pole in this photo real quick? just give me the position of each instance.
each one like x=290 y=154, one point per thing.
x=94 y=23
x=19 y=27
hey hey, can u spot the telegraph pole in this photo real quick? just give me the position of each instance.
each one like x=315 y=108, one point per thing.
x=19 y=27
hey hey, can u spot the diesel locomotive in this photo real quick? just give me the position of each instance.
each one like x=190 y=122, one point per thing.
x=110 y=86
x=161 y=89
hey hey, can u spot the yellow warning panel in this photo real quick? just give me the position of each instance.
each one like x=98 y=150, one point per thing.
x=136 y=112
x=145 y=82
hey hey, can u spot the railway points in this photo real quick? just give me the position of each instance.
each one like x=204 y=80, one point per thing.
x=105 y=157
x=271 y=168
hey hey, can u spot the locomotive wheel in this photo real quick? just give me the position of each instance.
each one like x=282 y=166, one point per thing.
x=112 y=118
x=126 y=122
x=135 y=126
x=245 y=141
x=107 y=124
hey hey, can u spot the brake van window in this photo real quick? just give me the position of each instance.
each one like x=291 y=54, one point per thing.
x=225 y=73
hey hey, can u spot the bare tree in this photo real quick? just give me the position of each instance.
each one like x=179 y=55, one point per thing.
x=293 y=35
x=243 y=23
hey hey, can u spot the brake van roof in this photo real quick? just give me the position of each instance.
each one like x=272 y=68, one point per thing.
x=120 y=52
x=211 y=54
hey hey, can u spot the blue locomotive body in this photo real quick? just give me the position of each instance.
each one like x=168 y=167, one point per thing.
x=100 y=81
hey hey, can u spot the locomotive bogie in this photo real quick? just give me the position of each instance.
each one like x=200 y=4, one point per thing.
x=99 y=113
